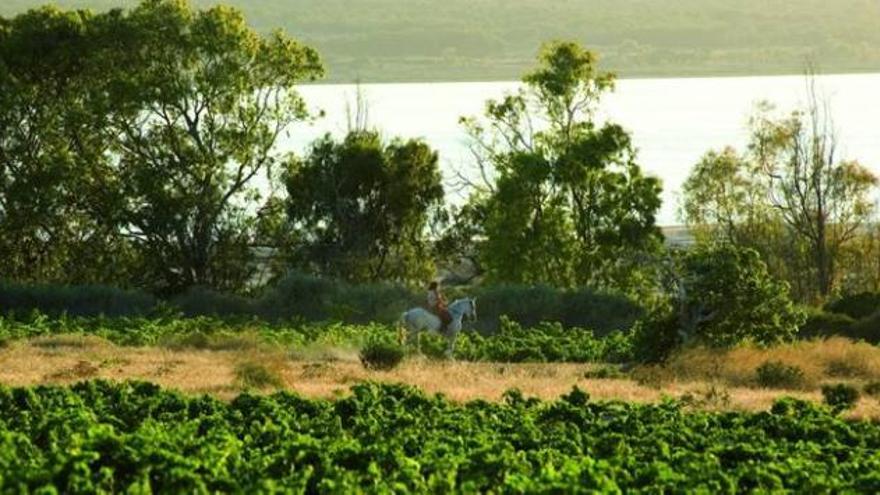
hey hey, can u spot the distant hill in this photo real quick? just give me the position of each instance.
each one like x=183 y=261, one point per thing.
x=442 y=40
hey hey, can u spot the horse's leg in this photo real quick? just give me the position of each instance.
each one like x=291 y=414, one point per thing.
x=419 y=342
x=450 y=342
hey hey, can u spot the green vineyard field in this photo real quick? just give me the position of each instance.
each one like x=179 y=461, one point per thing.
x=137 y=438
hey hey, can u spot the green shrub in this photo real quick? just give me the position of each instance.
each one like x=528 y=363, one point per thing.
x=381 y=355
x=731 y=298
x=200 y=301
x=532 y=305
x=605 y=373
x=776 y=374
x=824 y=324
x=856 y=306
x=840 y=397
x=257 y=375
x=655 y=337
x=313 y=298
x=867 y=329
x=74 y=300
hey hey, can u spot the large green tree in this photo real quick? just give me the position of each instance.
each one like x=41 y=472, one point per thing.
x=211 y=98
x=360 y=208
x=562 y=200
x=58 y=191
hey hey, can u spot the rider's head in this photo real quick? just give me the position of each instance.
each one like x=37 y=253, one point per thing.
x=433 y=286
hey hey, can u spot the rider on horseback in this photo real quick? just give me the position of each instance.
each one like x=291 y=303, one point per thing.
x=437 y=305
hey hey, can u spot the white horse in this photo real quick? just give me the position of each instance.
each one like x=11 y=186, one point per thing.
x=418 y=320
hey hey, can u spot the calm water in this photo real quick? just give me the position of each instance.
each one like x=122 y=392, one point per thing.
x=673 y=121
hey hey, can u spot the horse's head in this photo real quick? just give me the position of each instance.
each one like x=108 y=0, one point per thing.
x=472 y=311
x=464 y=309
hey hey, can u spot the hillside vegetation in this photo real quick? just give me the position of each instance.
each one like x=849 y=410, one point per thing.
x=415 y=40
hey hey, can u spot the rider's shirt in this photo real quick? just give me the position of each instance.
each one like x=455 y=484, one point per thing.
x=435 y=300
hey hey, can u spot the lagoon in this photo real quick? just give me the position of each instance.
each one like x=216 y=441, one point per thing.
x=673 y=121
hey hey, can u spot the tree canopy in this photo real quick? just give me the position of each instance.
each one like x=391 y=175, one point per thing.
x=563 y=200
x=359 y=209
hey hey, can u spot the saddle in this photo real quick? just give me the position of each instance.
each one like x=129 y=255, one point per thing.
x=442 y=313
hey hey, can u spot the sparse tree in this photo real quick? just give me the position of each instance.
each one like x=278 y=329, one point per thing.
x=821 y=199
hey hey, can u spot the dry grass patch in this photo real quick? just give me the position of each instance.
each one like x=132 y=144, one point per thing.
x=224 y=374
x=82 y=370
x=66 y=343
x=819 y=360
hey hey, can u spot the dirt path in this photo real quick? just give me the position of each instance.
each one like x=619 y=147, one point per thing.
x=63 y=360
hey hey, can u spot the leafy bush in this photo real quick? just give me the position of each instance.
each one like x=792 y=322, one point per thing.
x=825 y=324
x=314 y=299
x=200 y=301
x=776 y=374
x=74 y=300
x=856 y=306
x=382 y=355
x=656 y=337
x=546 y=342
x=867 y=329
x=732 y=298
x=605 y=373
x=532 y=305
x=840 y=397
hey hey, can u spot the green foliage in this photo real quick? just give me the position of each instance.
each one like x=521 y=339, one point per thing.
x=58 y=194
x=314 y=298
x=568 y=205
x=856 y=306
x=824 y=324
x=656 y=336
x=867 y=329
x=382 y=355
x=130 y=143
x=728 y=297
x=360 y=207
x=202 y=301
x=776 y=374
x=840 y=397
x=605 y=373
x=545 y=342
x=80 y=300
x=721 y=295
x=134 y=437
x=213 y=99
x=308 y=298
x=603 y=312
